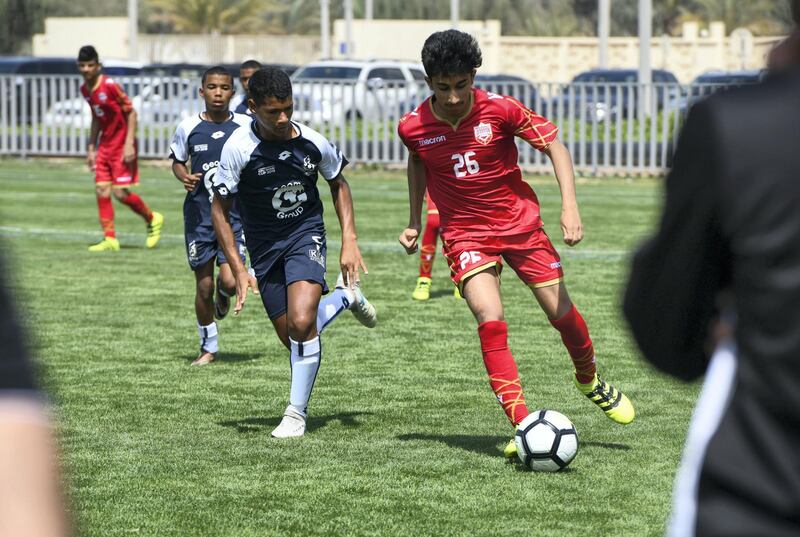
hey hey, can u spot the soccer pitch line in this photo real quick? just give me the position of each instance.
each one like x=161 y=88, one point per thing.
x=174 y=239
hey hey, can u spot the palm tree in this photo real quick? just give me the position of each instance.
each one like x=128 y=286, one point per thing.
x=210 y=16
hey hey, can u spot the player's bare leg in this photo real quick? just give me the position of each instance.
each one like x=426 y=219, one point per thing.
x=106 y=212
x=556 y=304
x=204 y=309
x=302 y=299
x=482 y=293
x=226 y=288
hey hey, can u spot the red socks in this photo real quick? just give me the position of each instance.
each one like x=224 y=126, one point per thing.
x=502 y=369
x=428 y=249
x=138 y=206
x=106 y=211
x=575 y=336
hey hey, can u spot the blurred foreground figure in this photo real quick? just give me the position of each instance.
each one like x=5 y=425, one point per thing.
x=31 y=503
x=717 y=291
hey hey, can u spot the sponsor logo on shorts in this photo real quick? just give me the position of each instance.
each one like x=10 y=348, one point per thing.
x=199 y=148
x=217 y=135
x=483 y=133
x=315 y=254
x=265 y=170
x=124 y=179
x=192 y=251
x=431 y=141
x=555 y=265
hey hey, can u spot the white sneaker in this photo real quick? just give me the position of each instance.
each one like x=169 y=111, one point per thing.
x=362 y=309
x=292 y=425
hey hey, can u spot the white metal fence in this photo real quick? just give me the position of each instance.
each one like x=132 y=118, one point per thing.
x=609 y=128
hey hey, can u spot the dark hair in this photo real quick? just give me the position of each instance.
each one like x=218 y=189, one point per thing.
x=450 y=53
x=88 y=53
x=269 y=82
x=216 y=70
x=250 y=64
x=795 y=5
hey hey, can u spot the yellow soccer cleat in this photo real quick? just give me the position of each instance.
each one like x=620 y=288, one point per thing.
x=457 y=293
x=154 y=230
x=510 y=451
x=613 y=402
x=108 y=244
x=423 y=289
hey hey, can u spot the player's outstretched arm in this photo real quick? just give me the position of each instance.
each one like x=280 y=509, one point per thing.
x=220 y=217
x=571 y=225
x=415 y=171
x=350 y=258
x=182 y=173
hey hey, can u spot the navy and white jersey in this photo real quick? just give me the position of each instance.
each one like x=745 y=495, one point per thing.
x=239 y=105
x=201 y=141
x=275 y=182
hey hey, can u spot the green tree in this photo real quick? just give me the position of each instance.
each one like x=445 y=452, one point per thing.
x=208 y=16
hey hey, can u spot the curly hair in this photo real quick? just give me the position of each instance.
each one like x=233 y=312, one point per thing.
x=450 y=53
x=269 y=82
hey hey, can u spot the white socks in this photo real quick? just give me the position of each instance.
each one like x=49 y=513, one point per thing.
x=332 y=305
x=305 y=358
x=208 y=337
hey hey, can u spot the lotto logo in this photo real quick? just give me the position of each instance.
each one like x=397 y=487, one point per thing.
x=284 y=155
x=217 y=135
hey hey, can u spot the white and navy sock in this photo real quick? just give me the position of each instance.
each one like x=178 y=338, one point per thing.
x=305 y=359
x=208 y=337
x=332 y=305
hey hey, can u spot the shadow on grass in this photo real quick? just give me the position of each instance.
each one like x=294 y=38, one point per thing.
x=254 y=425
x=606 y=445
x=483 y=445
x=444 y=293
x=227 y=357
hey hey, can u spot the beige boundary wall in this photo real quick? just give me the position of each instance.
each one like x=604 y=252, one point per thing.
x=540 y=59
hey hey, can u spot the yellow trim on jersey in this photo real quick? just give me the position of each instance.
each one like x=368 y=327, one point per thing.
x=548 y=283
x=457 y=123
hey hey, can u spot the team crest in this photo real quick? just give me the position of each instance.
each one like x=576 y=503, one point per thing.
x=102 y=96
x=483 y=133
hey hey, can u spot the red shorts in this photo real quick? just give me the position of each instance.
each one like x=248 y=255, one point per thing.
x=531 y=255
x=111 y=170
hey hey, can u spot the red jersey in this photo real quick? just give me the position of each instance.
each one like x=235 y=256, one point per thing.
x=471 y=169
x=110 y=106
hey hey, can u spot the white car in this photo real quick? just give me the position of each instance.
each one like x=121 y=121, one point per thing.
x=161 y=101
x=335 y=91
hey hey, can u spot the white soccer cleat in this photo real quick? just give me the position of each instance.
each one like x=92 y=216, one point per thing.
x=292 y=425
x=362 y=309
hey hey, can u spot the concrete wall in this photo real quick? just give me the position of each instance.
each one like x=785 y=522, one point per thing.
x=64 y=36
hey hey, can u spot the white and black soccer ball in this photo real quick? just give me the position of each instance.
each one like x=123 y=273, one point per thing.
x=546 y=441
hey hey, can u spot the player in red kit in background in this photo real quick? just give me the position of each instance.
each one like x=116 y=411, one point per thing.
x=427 y=252
x=462 y=147
x=114 y=161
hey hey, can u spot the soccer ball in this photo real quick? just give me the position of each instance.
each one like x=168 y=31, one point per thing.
x=546 y=441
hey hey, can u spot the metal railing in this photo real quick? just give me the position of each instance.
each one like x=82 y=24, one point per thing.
x=608 y=128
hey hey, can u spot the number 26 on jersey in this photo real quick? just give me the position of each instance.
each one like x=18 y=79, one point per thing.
x=465 y=164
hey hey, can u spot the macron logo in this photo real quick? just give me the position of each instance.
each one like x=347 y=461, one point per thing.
x=431 y=141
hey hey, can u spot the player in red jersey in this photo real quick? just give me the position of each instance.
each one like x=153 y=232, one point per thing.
x=114 y=161
x=462 y=147
x=427 y=252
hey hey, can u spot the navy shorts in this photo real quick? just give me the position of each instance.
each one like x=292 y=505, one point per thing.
x=202 y=246
x=298 y=258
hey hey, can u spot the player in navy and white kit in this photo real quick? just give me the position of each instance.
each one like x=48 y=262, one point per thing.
x=199 y=139
x=239 y=103
x=271 y=169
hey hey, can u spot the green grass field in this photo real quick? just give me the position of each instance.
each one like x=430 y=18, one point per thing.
x=405 y=435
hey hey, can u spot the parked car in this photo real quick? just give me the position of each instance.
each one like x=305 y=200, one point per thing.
x=158 y=102
x=713 y=81
x=338 y=90
x=601 y=94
